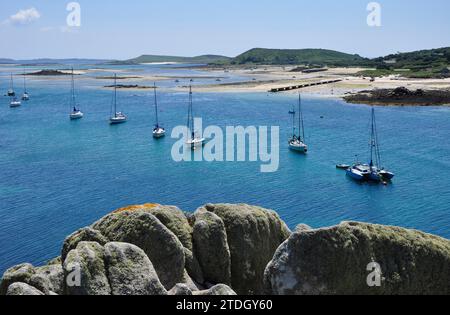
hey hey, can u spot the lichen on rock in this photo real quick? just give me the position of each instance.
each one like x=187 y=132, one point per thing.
x=341 y=259
x=144 y=230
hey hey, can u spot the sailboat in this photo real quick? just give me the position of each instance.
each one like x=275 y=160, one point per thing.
x=372 y=171
x=11 y=92
x=25 y=96
x=297 y=142
x=194 y=141
x=116 y=117
x=75 y=112
x=158 y=131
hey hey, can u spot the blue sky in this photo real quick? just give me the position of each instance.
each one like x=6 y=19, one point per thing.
x=126 y=29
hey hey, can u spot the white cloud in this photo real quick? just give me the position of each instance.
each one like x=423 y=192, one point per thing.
x=24 y=17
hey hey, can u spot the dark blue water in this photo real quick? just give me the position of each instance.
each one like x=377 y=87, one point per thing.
x=58 y=175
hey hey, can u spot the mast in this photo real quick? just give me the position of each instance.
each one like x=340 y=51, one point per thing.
x=190 y=123
x=377 y=143
x=12 y=83
x=293 y=122
x=72 y=96
x=24 y=82
x=115 y=94
x=374 y=147
x=301 y=131
x=156 y=106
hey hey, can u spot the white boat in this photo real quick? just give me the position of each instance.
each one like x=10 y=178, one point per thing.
x=298 y=145
x=195 y=141
x=15 y=103
x=11 y=88
x=25 y=96
x=75 y=112
x=158 y=131
x=359 y=172
x=297 y=142
x=372 y=171
x=116 y=117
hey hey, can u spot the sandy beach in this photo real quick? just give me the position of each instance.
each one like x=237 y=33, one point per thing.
x=265 y=78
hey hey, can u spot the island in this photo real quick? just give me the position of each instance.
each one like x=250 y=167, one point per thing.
x=400 y=96
x=129 y=86
x=47 y=72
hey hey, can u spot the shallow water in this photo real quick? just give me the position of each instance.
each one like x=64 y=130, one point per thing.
x=58 y=175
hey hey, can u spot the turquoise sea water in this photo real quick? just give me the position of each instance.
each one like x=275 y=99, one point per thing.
x=58 y=176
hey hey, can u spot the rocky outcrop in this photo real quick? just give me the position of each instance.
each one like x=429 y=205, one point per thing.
x=193 y=267
x=20 y=288
x=211 y=247
x=175 y=220
x=220 y=289
x=48 y=279
x=180 y=289
x=253 y=236
x=224 y=249
x=83 y=235
x=85 y=270
x=130 y=272
x=144 y=230
x=20 y=273
x=358 y=258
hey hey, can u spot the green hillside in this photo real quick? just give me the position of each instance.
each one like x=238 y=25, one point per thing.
x=432 y=63
x=299 y=56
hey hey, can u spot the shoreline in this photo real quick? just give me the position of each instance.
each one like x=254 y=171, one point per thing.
x=265 y=78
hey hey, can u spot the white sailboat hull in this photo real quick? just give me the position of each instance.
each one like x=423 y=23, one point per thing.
x=15 y=104
x=159 y=133
x=298 y=146
x=196 y=143
x=118 y=119
x=76 y=115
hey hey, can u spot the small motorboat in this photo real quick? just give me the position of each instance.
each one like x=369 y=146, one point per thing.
x=15 y=103
x=343 y=166
x=118 y=118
